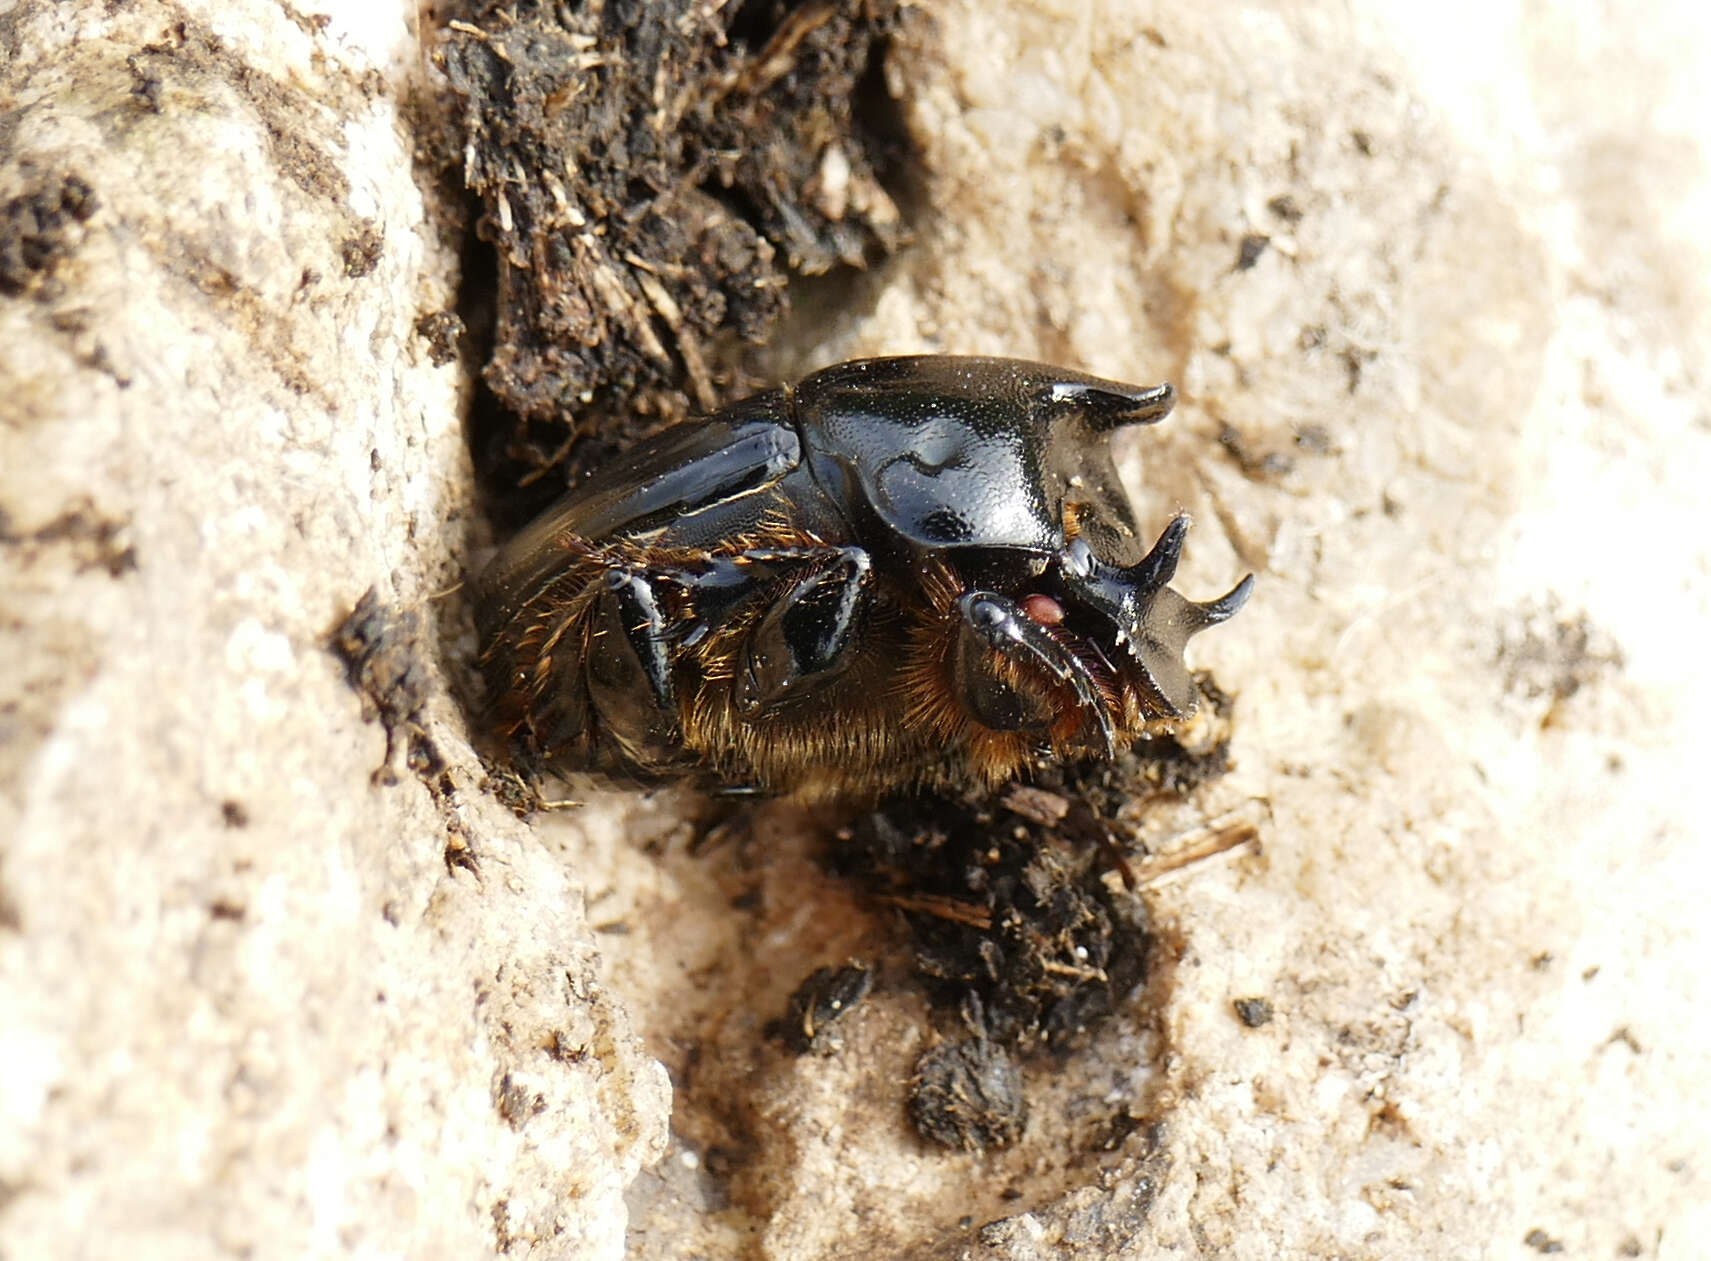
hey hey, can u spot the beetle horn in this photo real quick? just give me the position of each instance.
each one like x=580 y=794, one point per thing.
x=1153 y=622
x=1157 y=641
x=1107 y=405
x=1158 y=566
x=1225 y=606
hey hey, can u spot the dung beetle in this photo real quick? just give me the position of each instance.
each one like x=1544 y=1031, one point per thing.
x=905 y=572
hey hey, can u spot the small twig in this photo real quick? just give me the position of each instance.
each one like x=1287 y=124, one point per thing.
x=1222 y=837
x=945 y=908
x=1069 y=969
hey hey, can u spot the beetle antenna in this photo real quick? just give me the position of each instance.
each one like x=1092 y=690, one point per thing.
x=1106 y=407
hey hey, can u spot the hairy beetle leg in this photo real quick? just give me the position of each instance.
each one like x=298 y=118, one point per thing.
x=995 y=623
x=629 y=674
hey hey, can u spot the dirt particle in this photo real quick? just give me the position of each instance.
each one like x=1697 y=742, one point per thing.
x=146 y=85
x=809 y=1025
x=513 y=790
x=459 y=856
x=1253 y=1012
x=361 y=252
x=1116 y=1130
x=442 y=330
x=1314 y=440
x=516 y=1103
x=1354 y=360
x=40 y=229
x=1259 y=465
x=382 y=659
x=95 y=541
x=1545 y=653
x=1253 y=246
x=968 y=1096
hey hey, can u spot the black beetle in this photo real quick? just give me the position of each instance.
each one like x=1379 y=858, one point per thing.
x=903 y=572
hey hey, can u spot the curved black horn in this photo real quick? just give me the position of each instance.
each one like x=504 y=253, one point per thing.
x=1225 y=606
x=1158 y=566
x=1111 y=406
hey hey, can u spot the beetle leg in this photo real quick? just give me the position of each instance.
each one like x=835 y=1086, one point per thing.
x=803 y=638
x=994 y=623
x=629 y=670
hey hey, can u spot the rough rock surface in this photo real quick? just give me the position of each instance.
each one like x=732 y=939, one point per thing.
x=256 y=999
x=1434 y=289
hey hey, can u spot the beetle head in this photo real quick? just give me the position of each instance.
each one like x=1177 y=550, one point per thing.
x=1132 y=622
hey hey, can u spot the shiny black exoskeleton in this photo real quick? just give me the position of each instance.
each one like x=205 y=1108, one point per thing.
x=910 y=571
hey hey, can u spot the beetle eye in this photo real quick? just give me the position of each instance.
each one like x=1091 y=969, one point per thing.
x=1077 y=559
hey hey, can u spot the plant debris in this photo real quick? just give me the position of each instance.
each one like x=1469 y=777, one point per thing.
x=649 y=171
x=968 y=1095
x=1017 y=932
x=1006 y=910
